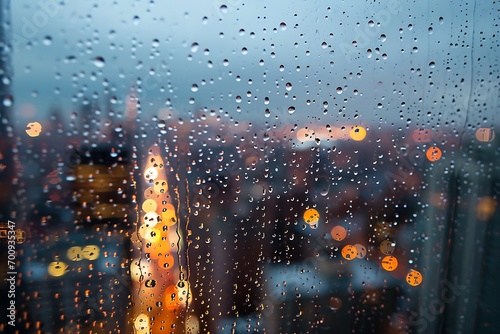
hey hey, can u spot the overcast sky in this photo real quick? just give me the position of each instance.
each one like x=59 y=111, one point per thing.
x=419 y=68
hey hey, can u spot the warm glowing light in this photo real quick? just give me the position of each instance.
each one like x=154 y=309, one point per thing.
x=90 y=252
x=357 y=133
x=74 y=253
x=168 y=218
x=151 y=218
x=152 y=234
x=57 y=268
x=414 y=277
x=338 y=233
x=305 y=134
x=485 y=208
x=149 y=193
x=158 y=249
x=33 y=129
x=176 y=296
x=160 y=186
x=389 y=263
x=150 y=174
x=349 y=252
x=433 y=153
x=422 y=135
x=311 y=216
x=141 y=322
x=149 y=205
x=166 y=261
x=139 y=270
x=192 y=325
x=361 y=250
x=485 y=134
x=387 y=247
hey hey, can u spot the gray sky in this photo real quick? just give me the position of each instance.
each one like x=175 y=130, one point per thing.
x=419 y=68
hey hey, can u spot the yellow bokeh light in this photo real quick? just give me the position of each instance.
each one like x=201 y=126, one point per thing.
x=160 y=186
x=166 y=261
x=90 y=252
x=149 y=205
x=414 y=277
x=57 y=268
x=176 y=296
x=357 y=133
x=141 y=322
x=485 y=208
x=150 y=219
x=169 y=218
x=150 y=174
x=389 y=263
x=74 y=253
x=33 y=129
x=311 y=216
x=152 y=234
x=349 y=252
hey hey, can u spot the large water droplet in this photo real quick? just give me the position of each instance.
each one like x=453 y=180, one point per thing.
x=99 y=62
x=291 y=110
x=47 y=40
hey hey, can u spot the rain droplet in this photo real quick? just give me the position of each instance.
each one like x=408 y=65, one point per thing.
x=7 y=101
x=339 y=90
x=47 y=40
x=194 y=47
x=99 y=62
x=223 y=9
x=291 y=110
x=288 y=86
x=194 y=88
x=136 y=20
x=283 y=26
x=335 y=303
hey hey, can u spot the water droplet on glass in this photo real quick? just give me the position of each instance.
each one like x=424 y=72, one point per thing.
x=47 y=40
x=99 y=62
x=155 y=43
x=194 y=88
x=288 y=86
x=223 y=9
x=335 y=303
x=136 y=20
x=339 y=90
x=7 y=101
x=283 y=26
x=291 y=110
x=194 y=47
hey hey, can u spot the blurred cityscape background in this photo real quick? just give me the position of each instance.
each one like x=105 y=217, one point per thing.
x=340 y=174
